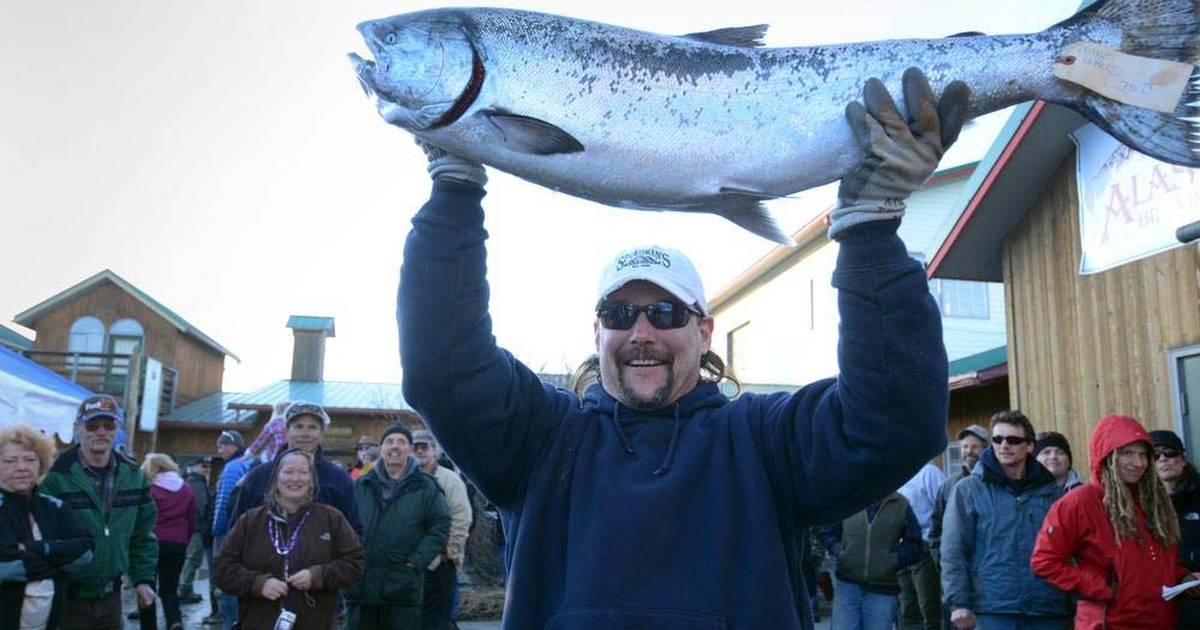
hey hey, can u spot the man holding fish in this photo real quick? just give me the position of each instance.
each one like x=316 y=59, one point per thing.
x=654 y=501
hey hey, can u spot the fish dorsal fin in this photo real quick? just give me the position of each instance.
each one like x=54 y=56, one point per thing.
x=741 y=36
x=526 y=134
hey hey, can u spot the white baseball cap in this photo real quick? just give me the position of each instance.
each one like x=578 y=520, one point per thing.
x=663 y=266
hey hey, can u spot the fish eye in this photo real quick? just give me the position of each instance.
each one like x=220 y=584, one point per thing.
x=390 y=38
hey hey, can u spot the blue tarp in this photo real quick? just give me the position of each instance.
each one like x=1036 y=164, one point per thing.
x=33 y=393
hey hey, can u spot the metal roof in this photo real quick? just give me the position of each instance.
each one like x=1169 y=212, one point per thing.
x=334 y=396
x=14 y=339
x=29 y=317
x=979 y=369
x=213 y=409
x=306 y=322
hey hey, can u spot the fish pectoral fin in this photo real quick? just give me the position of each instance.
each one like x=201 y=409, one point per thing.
x=526 y=134
x=747 y=211
x=741 y=36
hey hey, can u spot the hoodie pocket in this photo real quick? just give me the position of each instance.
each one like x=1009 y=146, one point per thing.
x=633 y=619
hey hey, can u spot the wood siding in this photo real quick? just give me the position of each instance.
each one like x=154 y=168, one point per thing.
x=976 y=406
x=1083 y=347
x=201 y=369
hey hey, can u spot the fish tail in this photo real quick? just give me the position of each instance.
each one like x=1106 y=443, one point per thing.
x=1161 y=29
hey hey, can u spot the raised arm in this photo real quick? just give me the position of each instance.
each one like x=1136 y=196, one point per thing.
x=491 y=413
x=847 y=442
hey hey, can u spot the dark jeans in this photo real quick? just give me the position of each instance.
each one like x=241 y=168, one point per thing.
x=170 y=564
x=93 y=614
x=369 y=617
x=439 y=597
x=920 y=596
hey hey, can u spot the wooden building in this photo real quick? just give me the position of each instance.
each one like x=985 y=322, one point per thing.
x=1080 y=347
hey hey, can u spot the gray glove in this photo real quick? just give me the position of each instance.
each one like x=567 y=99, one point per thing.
x=898 y=154
x=445 y=165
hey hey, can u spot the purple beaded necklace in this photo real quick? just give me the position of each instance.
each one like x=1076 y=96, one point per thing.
x=282 y=547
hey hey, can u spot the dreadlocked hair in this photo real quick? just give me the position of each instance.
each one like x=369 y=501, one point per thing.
x=1118 y=501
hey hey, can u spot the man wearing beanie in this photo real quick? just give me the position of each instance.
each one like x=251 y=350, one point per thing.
x=405 y=525
x=652 y=499
x=1053 y=452
x=306 y=424
x=1183 y=484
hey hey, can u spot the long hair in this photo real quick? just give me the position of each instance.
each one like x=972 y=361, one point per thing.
x=1118 y=502
x=712 y=370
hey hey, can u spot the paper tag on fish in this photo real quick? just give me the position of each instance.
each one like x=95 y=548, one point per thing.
x=1141 y=81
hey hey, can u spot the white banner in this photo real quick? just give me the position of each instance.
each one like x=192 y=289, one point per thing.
x=1129 y=205
x=148 y=416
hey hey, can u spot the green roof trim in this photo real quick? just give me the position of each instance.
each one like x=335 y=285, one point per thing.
x=213 y=409
x=309 y=323
x=29 y=317
x=14 y=339
x=980 y=361
x=334 y=396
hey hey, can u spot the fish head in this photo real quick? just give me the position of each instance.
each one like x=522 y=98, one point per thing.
x=423 y=66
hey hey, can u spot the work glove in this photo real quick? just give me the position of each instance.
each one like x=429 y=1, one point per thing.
x=446 y=165
x=899 y=153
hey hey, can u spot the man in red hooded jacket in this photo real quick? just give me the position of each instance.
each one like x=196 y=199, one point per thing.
x=1116 y=564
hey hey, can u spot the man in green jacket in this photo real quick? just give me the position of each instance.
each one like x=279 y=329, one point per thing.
x=111 y=497
x=405 y=525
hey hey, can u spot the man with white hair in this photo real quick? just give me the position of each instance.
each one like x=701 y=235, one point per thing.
x=653 y=500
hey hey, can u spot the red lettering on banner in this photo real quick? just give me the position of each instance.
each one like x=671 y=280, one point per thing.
x=1118 y=207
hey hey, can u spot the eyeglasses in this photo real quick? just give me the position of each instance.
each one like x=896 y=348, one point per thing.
x=1167 y=454
x=1012 y=440
x=664 y=315
x=96 y=424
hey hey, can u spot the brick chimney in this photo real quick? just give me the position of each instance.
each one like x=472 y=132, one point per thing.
x=308 y=352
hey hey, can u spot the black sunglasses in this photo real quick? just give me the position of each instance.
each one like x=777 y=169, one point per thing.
x=1169 y=454
x=1013 y=440
x=663 y=315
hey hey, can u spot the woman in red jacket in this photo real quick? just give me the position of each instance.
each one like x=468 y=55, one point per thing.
x=1113 y=541
x=173 y=528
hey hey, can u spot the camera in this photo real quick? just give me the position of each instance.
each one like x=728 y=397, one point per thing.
x=286 y=620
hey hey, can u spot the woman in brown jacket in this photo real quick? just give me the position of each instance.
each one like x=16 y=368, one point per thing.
x=291 y=554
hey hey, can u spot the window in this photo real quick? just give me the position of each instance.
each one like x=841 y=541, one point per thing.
x=87 y=335
x=124 y=336
x=961 y=298
x=735 y=346
x=1185 y=381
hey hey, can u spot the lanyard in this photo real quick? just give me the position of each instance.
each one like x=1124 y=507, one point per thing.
x=285 y=547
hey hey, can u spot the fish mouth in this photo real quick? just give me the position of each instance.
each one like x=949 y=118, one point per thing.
x=364 y=69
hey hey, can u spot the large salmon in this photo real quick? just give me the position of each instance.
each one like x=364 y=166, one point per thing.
x=711 y=122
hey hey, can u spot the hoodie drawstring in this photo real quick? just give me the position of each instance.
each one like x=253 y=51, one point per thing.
x=621 y=432
x=670 y=456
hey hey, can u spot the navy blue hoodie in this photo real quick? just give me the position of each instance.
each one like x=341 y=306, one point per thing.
x=691 y=516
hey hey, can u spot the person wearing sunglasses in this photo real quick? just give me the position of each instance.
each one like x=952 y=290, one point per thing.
x=1113 y=542
x=111 y=498
x=654 y=500
x=991 y=523
x=1183 y=484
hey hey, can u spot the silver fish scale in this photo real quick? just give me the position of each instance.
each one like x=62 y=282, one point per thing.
x=759 y=119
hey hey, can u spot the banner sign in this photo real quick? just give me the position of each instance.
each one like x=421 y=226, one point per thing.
x=1129 y=204
x=151 y=392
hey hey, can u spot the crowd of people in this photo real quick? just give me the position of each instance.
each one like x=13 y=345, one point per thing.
x=1019 y=541
x=290 y=539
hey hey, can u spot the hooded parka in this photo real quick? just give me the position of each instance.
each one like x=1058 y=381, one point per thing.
x=1119 y=584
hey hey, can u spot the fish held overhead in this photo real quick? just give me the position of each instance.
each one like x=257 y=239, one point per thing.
x=714 y=122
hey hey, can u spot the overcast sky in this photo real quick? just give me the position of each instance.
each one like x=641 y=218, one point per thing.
x=220 y=156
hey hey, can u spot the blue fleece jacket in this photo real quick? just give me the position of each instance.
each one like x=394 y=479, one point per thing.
x=689 y=516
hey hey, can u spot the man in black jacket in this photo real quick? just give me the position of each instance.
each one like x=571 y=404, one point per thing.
x=1183 y=483
x=200 y=546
